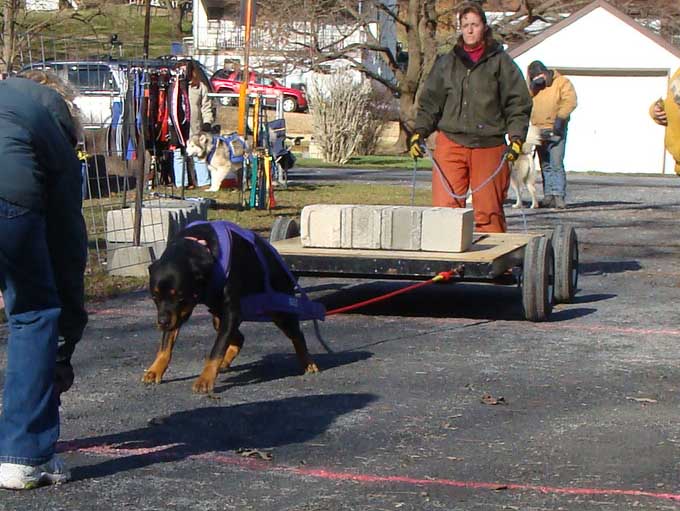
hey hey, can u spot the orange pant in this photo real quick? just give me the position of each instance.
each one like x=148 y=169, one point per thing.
x=464 y=168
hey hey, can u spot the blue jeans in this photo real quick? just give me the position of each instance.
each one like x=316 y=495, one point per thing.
x=180 y=167
x=551 y=157
x=29 y=424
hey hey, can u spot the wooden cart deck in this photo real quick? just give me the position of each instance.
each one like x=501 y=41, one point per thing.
x=489 y=257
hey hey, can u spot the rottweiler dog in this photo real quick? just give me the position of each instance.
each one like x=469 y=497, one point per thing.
x=184 y=276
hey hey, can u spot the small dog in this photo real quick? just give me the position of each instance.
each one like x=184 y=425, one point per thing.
x=224 y=155
x=189 y=273
x=523 y=170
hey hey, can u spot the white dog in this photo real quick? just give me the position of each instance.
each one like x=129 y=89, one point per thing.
x=523 y=169
x=224 y=155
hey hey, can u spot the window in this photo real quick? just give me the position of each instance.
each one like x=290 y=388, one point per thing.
x=91 y=77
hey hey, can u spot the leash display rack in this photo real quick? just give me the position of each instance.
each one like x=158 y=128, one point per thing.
x=543 y=265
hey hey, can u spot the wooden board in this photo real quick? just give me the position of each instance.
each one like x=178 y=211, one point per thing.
x=485 y=248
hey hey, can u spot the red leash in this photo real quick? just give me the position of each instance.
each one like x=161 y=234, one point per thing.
x=440 y=277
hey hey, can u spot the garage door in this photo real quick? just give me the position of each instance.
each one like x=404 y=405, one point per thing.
x=610 y=130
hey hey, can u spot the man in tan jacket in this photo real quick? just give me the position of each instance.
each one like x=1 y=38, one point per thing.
x=554 y=100
x=666 y=112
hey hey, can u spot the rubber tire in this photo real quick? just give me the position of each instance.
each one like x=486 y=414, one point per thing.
x=538 y=275
x=291 y=102
x=565 y=246
x=284 y=228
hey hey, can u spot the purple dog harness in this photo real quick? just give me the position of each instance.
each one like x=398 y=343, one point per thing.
x=259 y=306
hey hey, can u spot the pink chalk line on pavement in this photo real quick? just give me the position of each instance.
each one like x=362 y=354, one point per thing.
x=265 y=466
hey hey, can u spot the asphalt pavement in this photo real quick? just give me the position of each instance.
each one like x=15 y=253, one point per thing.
x=443 y=398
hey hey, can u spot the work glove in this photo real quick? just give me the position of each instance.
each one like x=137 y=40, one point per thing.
x=206 y=127
x=514 y=149
x=559 y=126
x=63 y=371
x=415 y=146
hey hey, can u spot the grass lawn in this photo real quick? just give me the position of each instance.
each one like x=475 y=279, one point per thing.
x=368 y=162
x=100 y=285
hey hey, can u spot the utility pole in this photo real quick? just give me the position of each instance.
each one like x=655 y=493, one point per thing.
x=243 y=90
x=147 y=27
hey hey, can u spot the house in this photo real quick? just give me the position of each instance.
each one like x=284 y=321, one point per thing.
x=618 y=69
x=276 y=48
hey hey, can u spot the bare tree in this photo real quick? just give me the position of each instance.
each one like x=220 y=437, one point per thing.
x=177 y=10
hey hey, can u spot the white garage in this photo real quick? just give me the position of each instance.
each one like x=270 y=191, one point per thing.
x=618 y=69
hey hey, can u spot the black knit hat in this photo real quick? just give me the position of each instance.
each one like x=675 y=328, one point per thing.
x=536 y=68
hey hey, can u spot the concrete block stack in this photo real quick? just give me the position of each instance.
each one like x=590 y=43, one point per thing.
x=386 y=227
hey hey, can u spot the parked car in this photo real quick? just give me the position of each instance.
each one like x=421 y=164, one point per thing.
x=293 y=99
x=99 y=83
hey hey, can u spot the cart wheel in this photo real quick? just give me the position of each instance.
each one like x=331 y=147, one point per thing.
x=284 y=228
x=565 y=245
x=538 y=277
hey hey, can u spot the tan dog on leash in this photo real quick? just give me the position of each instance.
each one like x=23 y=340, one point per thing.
x=218 y=154
x=523 y=170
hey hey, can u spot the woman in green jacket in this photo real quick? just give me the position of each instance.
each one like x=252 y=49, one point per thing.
x=474 y=97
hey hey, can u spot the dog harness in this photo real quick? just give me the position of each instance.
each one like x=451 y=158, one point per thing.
x=229 y=140
x=259 y=306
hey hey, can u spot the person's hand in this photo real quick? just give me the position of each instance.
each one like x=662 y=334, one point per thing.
x=559 y=127
x=514 y=150
x=206 y=127
x=659 y=114
x=63 y=376
x=415 y=146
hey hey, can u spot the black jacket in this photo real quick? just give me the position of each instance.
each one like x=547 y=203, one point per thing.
x=40 y=171
x=475 y=104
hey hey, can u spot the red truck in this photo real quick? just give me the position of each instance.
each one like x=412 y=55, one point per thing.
x=294 y=100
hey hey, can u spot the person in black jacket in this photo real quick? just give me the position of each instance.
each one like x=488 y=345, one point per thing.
x=474 y=96
x=43 y=252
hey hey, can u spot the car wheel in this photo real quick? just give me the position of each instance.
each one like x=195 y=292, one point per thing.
x=289 y=104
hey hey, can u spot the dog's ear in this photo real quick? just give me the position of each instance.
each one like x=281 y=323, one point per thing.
x=205 y=139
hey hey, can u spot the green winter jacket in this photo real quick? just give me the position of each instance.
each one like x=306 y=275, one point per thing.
x=475 y=104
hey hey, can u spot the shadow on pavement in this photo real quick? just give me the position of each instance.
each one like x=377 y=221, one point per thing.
x=260 y=425
x=600 y=268
x=470 y=301
x=597 y=297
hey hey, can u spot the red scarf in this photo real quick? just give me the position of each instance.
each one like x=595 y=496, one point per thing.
x=475 y=53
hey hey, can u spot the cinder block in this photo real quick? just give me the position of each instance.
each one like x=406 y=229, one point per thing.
x=447 y=229
x=131 y=261
x=360 y=227
x=401 y=228
x=161 y=220
x=321 y=225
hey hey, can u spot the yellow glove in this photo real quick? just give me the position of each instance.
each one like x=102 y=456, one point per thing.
x=514 y=150
x=415 y=146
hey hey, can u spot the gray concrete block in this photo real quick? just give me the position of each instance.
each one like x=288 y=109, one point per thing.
x=131 y=261
x=161 y=220
x=401 y=228
x=321 y=225
x=447 y=229
x=360 y=227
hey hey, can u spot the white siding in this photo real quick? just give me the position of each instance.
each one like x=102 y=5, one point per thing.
x=612 y=114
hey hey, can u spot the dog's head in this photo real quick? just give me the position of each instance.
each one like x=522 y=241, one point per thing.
x=177 y=282
x=200 y=145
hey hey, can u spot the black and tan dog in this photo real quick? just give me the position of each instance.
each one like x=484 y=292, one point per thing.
x=188 y=273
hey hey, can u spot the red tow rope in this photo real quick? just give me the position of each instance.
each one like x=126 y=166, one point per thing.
x=440 y=277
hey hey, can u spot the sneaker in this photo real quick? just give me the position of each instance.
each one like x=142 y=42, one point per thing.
x=548 y=201
x=14 y=476
x=559 y=203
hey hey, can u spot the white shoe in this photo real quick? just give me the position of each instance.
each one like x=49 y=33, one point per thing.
x=14 y=476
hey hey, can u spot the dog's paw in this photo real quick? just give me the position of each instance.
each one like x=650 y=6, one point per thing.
x=203 y=385
x=516 y=206
x=211 y=189
x=311 y=368
x=151 y=376
x=535 y=205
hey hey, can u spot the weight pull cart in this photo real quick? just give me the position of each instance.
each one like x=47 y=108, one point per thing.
x=545 y=266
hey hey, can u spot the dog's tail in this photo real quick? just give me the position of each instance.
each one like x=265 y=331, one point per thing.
x=317 y=331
